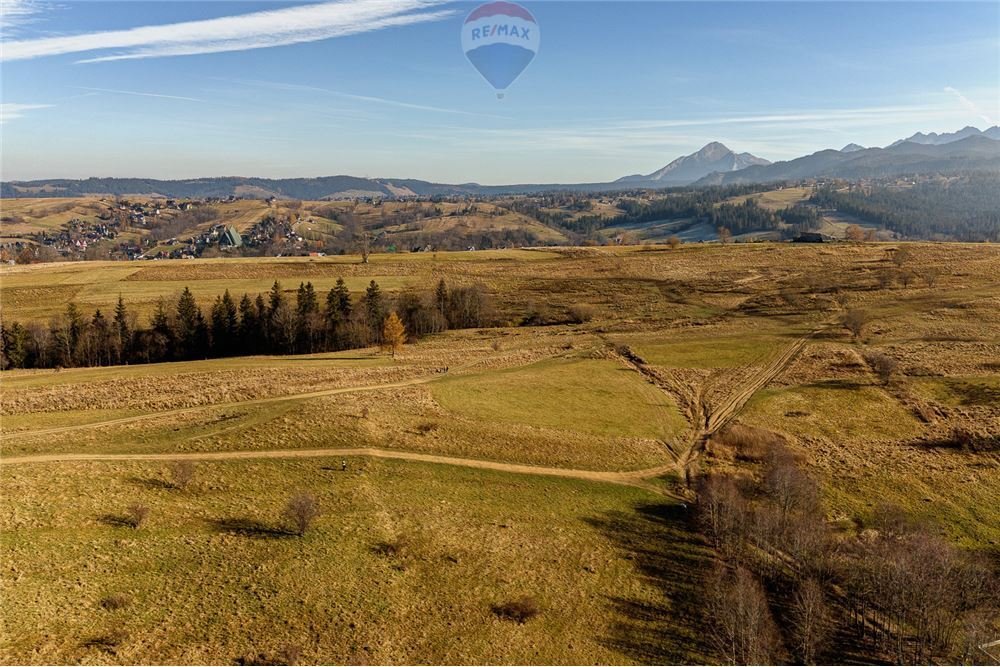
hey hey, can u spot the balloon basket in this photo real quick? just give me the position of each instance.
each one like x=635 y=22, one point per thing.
x=499 y=96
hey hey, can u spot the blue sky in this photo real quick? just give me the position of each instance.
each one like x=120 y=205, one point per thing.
x=183 y=89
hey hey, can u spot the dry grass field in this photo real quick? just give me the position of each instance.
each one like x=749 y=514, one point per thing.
x=482 y=465
x=776 y=199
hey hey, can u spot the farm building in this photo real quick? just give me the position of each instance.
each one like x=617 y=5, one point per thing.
x=230 y=238
x=809 y=237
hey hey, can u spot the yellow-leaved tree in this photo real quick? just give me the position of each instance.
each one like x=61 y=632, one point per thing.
x=393 y=334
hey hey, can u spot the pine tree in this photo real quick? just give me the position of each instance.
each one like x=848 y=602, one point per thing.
x=343 y=299
x=231 y=324
x=100 y=334
x=122 y=331
x=275 y=299
x=188 y=316
x=275 y=312
x=307 y=321
x=74 y=331
x=306 y=300
x=15 y=345
x=441 y=299
x=337 y=314
x=219 y=338
x=249 y=325
x=374 y=310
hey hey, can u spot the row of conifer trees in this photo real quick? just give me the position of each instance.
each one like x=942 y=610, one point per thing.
x=271 y=323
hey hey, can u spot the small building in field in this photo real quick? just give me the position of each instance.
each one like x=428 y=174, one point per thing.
x=230 y=238
x=809 y=237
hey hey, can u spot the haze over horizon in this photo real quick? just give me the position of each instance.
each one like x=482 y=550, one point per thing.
x=382 y=89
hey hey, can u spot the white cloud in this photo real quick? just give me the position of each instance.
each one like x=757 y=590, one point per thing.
x=17 y=13
x=9 y=111
x=970 y=105
x=292 y=25
x=140 y=94
x=360 y=98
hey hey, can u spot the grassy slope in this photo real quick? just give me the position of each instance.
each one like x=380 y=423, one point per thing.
x=40 y=291
x=590 y=395
x=861 y=439
x=211 y=584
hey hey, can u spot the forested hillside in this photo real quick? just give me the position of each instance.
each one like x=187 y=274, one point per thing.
x=965 y=208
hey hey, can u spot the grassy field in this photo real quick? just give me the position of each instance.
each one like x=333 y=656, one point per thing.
x=776 y=199
x=705 y=351
x=31 y=216
x=589 y=395
x=404 y=566
x=546 y=461
x=38 y=292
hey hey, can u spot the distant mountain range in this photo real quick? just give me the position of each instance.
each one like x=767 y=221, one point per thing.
x=714 y=157
x=973 y=153
x=969 y=149
x=936 y=139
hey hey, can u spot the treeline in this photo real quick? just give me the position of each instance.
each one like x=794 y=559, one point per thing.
x=788 y=586
x=705 y=205
x=963 y=208
x=750 y=216
x=273 y=323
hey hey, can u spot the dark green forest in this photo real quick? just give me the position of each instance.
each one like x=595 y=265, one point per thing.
x=963 y=208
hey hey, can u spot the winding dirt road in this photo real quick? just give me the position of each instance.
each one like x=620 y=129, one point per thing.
x=632 y=478
x=638 y=478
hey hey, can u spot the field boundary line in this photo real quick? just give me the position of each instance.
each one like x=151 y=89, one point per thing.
x=232 y=404
x=636 y=478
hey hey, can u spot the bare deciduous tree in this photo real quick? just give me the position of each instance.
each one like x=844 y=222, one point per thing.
x=902 y=256
x=855 y=321
x=182 y=474
x=722 y=512
x=742 y=628
x=810 y=617
x=930 y=275
x=137 y=514
x=788 y=486
x=886 y=279
x=883 y=365
x=300 y=512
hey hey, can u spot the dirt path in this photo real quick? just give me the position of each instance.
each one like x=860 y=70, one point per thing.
x=706 y=421
x=717 y=418
x=637 y=478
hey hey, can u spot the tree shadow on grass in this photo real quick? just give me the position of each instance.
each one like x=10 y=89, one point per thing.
x=108 y=642
x=116 y=521
x=669 y=554
x=152 y=483
x=249 y=528
x=840 y=383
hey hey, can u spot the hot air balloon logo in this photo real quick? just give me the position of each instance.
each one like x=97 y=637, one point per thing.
x=500 y=39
